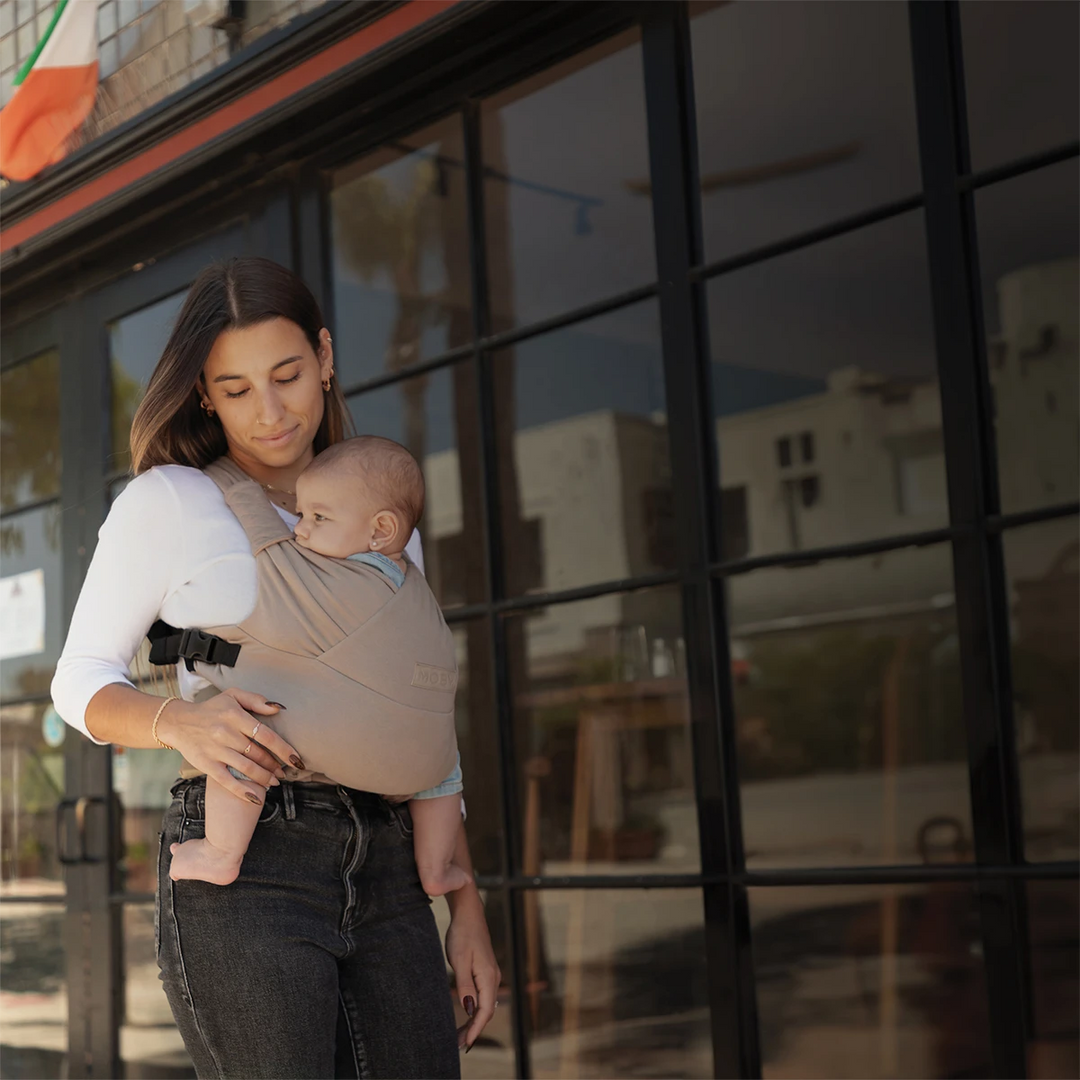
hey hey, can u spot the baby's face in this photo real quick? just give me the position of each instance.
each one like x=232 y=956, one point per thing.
x=336 y=515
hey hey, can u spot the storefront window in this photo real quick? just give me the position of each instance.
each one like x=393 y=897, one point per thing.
x=30 y=422
x=1042 y=564
x=870 y=981
x=135 y=346
x=586 y=489
x=849 y=726
x=401 y=259
x=605 y=769
x=1029 y=239
x=1054 y=1049
x=1022 y=76
x=567 y=208
x=617 y=983
x=805 y=115
x=825 y=394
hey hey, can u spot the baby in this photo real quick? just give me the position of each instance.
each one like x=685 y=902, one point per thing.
x=359 y=500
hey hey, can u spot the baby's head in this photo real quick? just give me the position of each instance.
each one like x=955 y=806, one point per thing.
x=363 y=494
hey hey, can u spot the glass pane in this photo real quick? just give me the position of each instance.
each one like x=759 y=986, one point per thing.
x=150 y=1045
x=401 y=257
x=135 y=346
x=435 y=417
x=1028 y=246
x=585 y=486
x=833 y=135
x=30 y=431
x=141 y=780
x=567 y=203
x=847 y=699
x=1022 y=69
x=492 y=1056
x=602 y=722
x=33 y=630
x=870 y=981
x=1053 y=909
x=825 y=394
x=1041 y=563
x=478 y=744
x=31 y=786
x=33 y=1003
x=617 y=983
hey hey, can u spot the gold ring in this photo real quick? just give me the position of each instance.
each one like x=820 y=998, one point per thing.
x=255 y=731
x=247 y=749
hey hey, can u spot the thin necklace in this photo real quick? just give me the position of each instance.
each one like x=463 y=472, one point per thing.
x=284 y=491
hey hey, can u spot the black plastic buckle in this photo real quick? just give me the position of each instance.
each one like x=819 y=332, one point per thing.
x=197 y=645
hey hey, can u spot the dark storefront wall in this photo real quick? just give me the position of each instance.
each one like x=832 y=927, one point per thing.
x=760 y=551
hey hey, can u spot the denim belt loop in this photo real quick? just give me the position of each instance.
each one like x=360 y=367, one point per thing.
x=289 y=799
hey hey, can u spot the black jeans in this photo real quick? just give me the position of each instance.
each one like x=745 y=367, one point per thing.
x=322 y=959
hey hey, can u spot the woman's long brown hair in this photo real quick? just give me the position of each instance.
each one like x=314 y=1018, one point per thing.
x=170 y=427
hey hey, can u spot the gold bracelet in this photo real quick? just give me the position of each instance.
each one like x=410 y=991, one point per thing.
x=157 y=717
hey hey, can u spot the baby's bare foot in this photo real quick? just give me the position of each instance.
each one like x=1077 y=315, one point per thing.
x=439 y=880
x=199 y=860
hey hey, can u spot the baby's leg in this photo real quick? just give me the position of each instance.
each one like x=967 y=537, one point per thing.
x=436 y=823
x=229 y=824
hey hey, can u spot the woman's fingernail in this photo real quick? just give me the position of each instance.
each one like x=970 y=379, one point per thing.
x=468 y=1005
x=277 y=704
x=253 y=798
x=468 y=1048
x=296 y=761
x=274 y=782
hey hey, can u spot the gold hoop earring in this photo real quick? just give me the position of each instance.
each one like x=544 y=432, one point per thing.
x=207 y=407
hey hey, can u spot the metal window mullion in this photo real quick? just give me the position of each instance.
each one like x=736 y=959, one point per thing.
x=492 y=534
x=677 y=231
x=978 y=565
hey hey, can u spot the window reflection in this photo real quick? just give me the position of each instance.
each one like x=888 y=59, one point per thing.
x=849 y=724
x=136 y=343
x=30 y=552
x=617 y=983
x=478 y=744
x=30 y=431
x=1023 y=82
x=142 y=779
x=825 y=393
x=566 y=186
x=586 y=488
x=833 y=136
x=34 y=1004
x=1054 y=1049
x=1028 y=247
x=401 y=261
x=1041 y=564
x=150 y=1045
x=874 y=981
x=603 y=737
x=31 y=785
x=435 y=417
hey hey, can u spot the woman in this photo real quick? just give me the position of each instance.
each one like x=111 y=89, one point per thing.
x=323 y=959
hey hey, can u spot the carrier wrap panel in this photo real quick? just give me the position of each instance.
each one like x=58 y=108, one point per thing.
x=367 y=672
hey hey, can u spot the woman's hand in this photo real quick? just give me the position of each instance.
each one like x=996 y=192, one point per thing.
x=215 y=734
x=469 y=951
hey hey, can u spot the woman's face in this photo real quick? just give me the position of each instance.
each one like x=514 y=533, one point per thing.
x=265 y=384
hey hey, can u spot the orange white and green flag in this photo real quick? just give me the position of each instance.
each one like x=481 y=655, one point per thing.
x=54 y=92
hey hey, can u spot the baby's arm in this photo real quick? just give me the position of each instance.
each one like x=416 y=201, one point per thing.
x=436 y=823
x=230 y=823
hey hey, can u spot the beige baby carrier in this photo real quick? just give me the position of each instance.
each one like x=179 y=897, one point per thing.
x=367 y=671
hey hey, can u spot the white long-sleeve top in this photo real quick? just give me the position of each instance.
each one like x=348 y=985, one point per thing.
x=169 y=549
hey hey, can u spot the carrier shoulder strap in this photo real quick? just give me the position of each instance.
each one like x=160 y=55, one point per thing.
x=247 y=500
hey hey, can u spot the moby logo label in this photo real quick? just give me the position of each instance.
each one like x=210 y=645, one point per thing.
x=429 y=677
